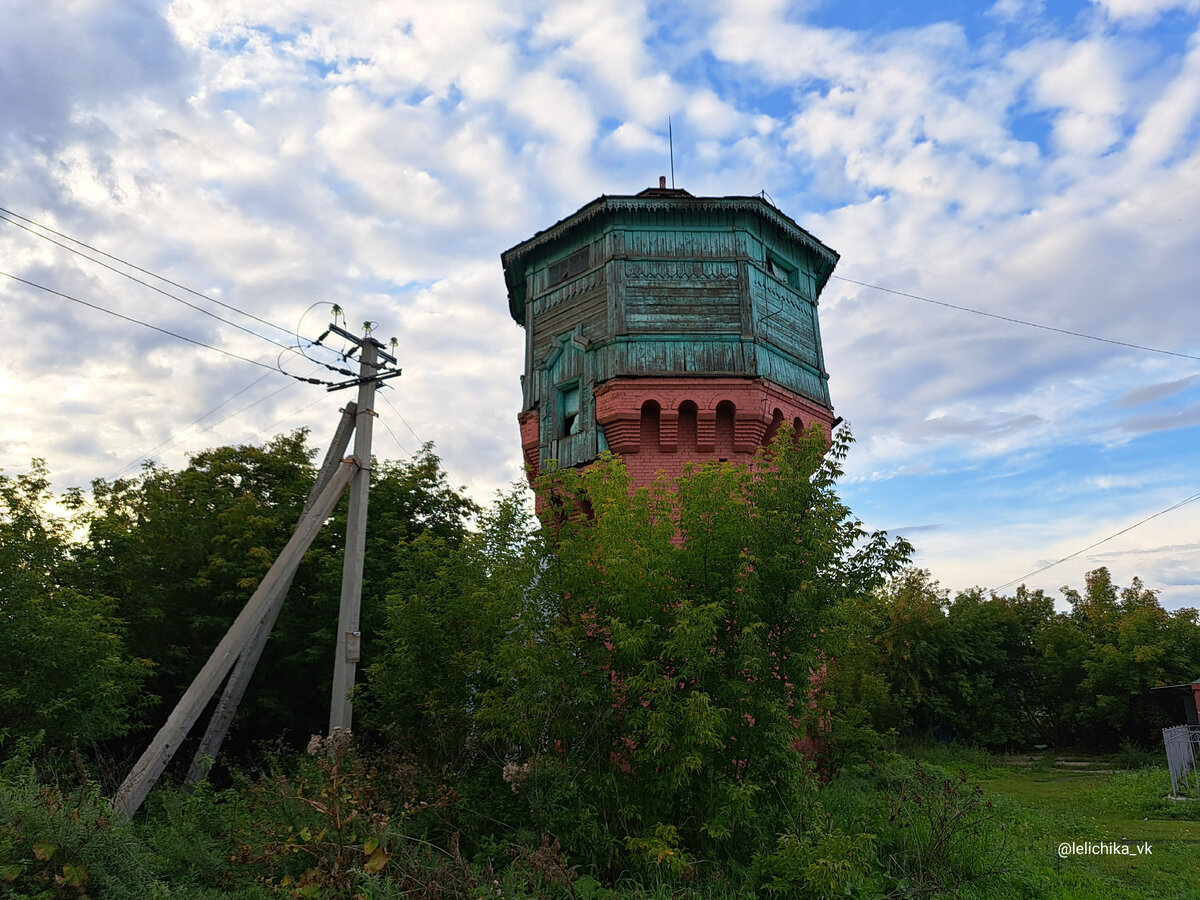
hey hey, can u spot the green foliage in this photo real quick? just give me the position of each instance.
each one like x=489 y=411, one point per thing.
x=942 y=832
x=441 y=630
x=1004 y=671
x=657 y=679
x=64 y=669
x=1131 y=756
x=182 y=551
x=65 y=843
x=631 y=701
x=825 y=863
x=1144 y=793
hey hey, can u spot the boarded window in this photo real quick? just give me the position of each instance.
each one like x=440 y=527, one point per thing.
x=781 y=270
x=573 y=265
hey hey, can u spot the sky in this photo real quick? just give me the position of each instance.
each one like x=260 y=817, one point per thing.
x=1036 y=160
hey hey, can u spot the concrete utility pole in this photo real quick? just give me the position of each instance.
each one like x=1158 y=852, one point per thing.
x=243 y=670
x=349 y=637
x=243 y=642
x=174 y=732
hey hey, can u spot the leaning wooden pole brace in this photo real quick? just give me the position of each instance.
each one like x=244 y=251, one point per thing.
x=243 y=669
x=150 y=766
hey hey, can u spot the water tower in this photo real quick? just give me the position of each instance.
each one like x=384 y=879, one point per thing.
x=668 y=328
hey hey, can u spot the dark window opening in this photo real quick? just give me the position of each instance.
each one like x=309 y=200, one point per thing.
x=651 y=413
x=688 y=415
x=568 y=398
x=773 y=428
x=724 y=436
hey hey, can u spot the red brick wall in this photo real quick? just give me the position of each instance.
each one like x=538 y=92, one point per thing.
x=663 y=425
x=733 y=417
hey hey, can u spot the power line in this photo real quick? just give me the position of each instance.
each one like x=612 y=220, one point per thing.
x=394 y=438
x=236 y=412
x=42 y=287
x=152 y=287
x=290 y=415
x=1161 y=512
x=1010 y=319
x=449 y=477
x=123 y=262
x=197 y=421
x=402 y=419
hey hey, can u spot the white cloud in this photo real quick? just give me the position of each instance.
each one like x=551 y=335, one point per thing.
x=382 y=155
x=1016 y=10
x=1144 y=9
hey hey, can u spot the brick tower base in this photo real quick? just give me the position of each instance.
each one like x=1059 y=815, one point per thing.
x=665 y=424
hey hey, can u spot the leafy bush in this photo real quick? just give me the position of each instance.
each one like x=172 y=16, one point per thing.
x=657 y=681
x=66 y=843
x=1131 y=756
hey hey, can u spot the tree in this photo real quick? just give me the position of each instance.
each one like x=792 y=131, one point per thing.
x=1134 y=646
x=64 y=668
x=182 y=551
x=449 y=605
x=651 y=693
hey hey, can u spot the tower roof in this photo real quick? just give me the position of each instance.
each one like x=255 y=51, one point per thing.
x=654 y=200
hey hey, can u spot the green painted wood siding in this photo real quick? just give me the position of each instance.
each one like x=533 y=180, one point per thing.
x=664 y=286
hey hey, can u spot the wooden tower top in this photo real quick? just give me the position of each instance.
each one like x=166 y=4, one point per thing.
x=658 y=287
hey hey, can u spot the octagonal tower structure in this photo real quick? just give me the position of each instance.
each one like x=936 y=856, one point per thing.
x=668 y=328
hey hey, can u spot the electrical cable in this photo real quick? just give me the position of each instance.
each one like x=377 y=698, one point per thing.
x=42 y=287
x=445 y=471
x=123 y=262
x=1010 y=319
x=290 y=415
x=408 y=452
x=236 y=412
x=1161 y=512
x=401 y=418
x=318 y=341
x=152 y=287
x=195 y=422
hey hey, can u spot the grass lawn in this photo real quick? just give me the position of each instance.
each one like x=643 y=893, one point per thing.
x=1068 y=798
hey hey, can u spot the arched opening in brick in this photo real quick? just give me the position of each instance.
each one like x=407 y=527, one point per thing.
x=724 y=438
x=798 y=427
x=773 y=428
x=650 y=423
x=687 y=426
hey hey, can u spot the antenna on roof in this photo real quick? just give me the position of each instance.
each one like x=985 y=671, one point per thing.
x=671 y=140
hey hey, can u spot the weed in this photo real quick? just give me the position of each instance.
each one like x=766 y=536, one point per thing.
x=1131 y=756
x=942 y=833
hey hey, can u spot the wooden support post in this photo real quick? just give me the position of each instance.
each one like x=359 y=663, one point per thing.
x=346 y=654
x=243 y=670
x=150 y=765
